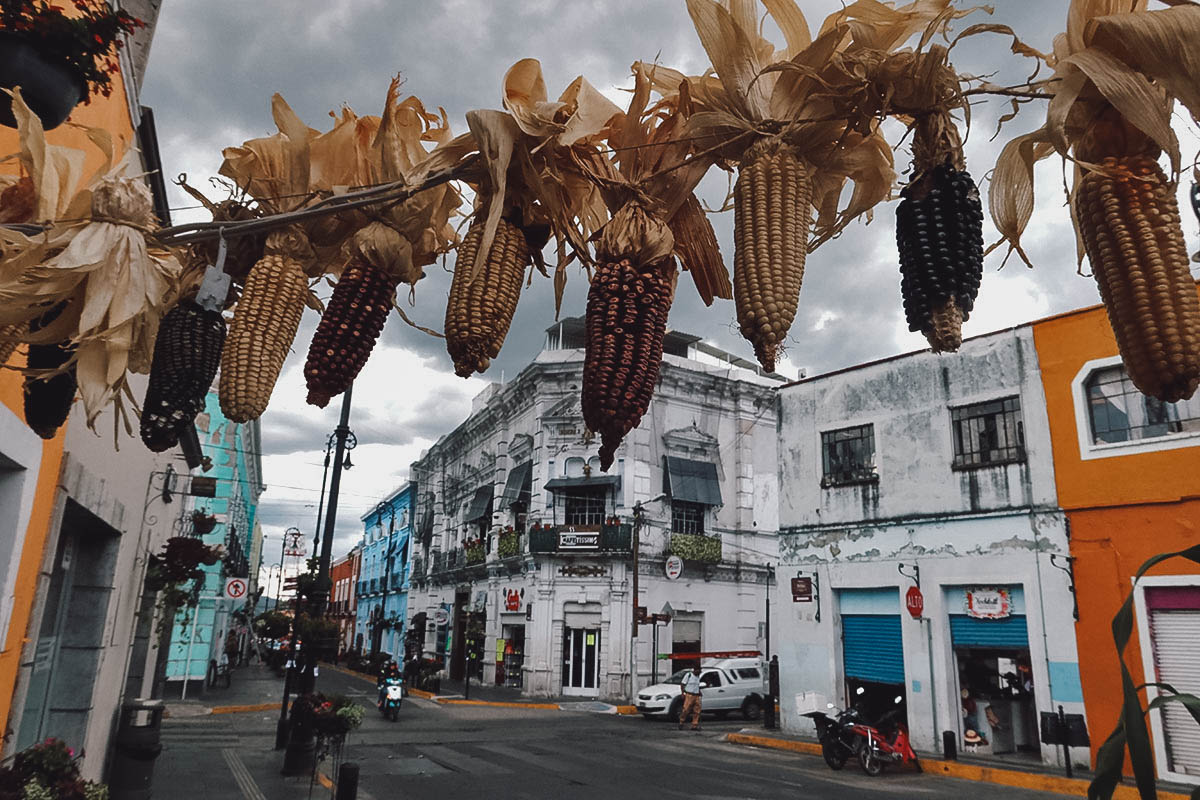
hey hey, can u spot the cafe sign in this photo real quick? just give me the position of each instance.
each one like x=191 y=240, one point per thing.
x=570 y=538
x=989 y=603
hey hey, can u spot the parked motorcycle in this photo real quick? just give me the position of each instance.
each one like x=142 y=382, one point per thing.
x=886 y=742
x=839 y=737
x=391 y=693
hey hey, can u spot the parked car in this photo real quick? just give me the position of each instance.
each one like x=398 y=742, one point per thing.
x=732 y=684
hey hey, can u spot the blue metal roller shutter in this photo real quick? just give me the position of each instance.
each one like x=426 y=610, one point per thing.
x=872 y=647
x=972 y=632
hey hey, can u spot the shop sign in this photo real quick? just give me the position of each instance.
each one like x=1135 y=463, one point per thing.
x=441 y=616
x=988 y=603
x=914 y=601
x=583 y=571
x=512 y=601
x=674 y=567
x=802 y=590
x=571 y=539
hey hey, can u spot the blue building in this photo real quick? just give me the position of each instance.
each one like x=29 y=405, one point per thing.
x=199 y=634
x=383 y=579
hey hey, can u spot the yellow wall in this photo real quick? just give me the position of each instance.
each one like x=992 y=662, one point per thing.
x=112 y=114
x=1122 y=510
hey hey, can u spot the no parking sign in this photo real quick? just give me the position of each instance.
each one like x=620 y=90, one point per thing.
x=235 y=588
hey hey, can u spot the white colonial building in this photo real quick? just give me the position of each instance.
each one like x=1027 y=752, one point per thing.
x=523 y=568
x=922 y=550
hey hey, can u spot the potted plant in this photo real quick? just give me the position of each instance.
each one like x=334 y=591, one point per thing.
x=59 y=59
x=203 y=522
x=47 y=770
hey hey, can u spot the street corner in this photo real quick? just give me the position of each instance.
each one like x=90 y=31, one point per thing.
x=186 y=710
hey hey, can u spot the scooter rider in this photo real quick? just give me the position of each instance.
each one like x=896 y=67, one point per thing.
x=389 y=670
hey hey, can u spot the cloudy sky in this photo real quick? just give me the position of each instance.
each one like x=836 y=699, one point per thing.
x=215 y=64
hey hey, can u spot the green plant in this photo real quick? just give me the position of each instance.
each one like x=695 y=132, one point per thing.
x=1131 y=731
x=47 y=771
x=510 y=544
x=87 y=41
x=696 y=547
x=474 y=551
x=272 y=624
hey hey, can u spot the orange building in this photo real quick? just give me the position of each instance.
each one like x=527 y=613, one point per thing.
x=1127 y=469
x=56 y=502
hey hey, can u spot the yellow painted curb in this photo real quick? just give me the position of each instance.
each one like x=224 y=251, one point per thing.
x=627 y=711
x=496 y=703
x=424 y=695
x=970 y=772
x=243 y=708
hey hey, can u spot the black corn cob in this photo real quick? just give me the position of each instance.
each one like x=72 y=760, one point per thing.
x=48 y=399
x=627 y=311
x=348 y=330
x=187 y=352
x=939 y=232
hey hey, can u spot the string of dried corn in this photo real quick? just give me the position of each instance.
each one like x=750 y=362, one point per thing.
x=479 y=311
x=187 y=353
x=772 y=217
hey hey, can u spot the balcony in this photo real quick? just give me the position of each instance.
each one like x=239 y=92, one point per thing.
x=582 y=539
x=509 y=545
x=474 y=553
x=696 y=547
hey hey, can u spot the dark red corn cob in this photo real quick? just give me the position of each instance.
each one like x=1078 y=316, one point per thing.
x=347 y=332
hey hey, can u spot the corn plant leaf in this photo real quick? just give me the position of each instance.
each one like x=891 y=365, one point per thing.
x=732 y=55
x=496 y=134
x=792 y=24
x=1010 y=198
x=1110 y=763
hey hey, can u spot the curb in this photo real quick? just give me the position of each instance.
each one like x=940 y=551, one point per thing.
x=454 y=701
x=971 y=772
x=243 y=708
x=628 y=711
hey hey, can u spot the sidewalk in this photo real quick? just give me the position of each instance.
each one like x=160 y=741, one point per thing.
x=1036 y=777
x=253 y=688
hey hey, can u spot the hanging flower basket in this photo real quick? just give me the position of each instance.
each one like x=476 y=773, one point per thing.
x=50 y=88
x=203 y=523
x=59 y=59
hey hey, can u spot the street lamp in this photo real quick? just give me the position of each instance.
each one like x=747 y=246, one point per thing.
x=293 y=535
x=330 y=443
x=638 y=518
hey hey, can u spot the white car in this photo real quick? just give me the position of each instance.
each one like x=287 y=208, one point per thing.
x=733 y=684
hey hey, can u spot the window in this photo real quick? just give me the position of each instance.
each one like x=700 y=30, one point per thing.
x=749 y=674
x=1118 y=412
x=586 y=506
x=848 y=456
x=710 y=679
x=687 y=517
x=988 y=433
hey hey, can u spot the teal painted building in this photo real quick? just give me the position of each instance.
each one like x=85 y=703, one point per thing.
x=384 y=574
x=235 y=452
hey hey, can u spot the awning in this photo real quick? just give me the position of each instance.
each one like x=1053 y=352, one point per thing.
x=584 y=482
x=519 y=485
x=693 y=481
x=481 y=504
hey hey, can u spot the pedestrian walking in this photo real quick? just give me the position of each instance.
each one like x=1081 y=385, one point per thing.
x=691 y=698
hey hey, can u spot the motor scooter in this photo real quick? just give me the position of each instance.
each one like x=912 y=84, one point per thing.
x=839 y=734
x=885 y=742
x=391 y=694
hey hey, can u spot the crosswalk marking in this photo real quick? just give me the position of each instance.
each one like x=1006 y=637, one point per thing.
x=241 y=775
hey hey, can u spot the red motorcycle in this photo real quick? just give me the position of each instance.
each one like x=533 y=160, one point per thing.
x=885 y=742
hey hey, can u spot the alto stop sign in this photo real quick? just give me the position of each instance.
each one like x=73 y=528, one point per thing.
x=914 y=601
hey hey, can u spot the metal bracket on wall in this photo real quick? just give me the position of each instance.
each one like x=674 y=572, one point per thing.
x=915 y=577
x=816 y=590
x=1069 y=568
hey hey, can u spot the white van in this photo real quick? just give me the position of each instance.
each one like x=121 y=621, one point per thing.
x=730 y=684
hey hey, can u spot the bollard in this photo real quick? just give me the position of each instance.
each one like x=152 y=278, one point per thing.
x=950 y=745
x=769 y=720
x=347 y=785
x=136 y=747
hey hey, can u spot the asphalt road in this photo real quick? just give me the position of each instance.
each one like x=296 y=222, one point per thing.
x=456 y=751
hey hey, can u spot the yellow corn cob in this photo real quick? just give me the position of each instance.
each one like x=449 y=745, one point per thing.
x=1129 y=221
x=479 y=312
x=772 y=216
x=264 y=325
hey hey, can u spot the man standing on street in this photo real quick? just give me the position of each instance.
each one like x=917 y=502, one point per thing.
x=691 y=698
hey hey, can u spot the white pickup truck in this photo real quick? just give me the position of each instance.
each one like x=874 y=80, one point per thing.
x=732 y=684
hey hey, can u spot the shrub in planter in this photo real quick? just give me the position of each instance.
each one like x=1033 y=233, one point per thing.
x=695 y=547
x=510 y=544
x=473 y=550
x=203 y=523
x=58 y=59
x=47 y=771
x=272 y=624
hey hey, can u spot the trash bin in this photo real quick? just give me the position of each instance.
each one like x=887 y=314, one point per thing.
x=137 y=746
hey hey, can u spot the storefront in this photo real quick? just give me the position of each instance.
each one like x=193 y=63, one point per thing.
x=510 y=656
x=990 y=640
x=872 y=650
x=582 y=649
x=1170 y=619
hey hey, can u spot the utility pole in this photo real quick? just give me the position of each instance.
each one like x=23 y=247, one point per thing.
x=633 y=635
x=301 y=749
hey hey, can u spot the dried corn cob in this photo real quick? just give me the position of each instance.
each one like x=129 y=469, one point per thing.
x=627 y=307
x=348 y=330
x=1129 y=221
x=772 y=216
x=264 y=325
x=48 y=399
x=939 y=235
x=479 y=311
x=187 y=352
x=10 y=337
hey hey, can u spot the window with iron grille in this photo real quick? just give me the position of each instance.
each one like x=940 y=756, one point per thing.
x=1118 y=412
x=848 y=456
x=988 y=433
x=585 y=506
x=687 y=517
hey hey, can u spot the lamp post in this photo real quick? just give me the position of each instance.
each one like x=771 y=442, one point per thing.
x=292 y=534
x=301 y=747
x=639 y=515
x=330 y=442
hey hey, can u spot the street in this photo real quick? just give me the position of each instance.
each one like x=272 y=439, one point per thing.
x=460 y=751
